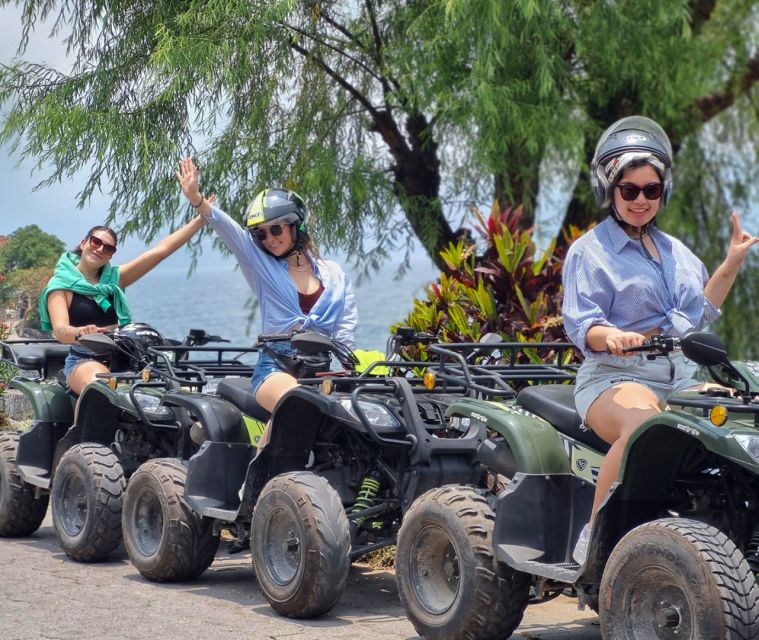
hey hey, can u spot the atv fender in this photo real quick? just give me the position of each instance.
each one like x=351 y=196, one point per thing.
x=535 y=444
x=221 y=420
x=214 y=477
x=50 y=401
x=657 y=450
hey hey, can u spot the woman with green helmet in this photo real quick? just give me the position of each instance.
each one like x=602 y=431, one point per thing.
x=295 y=287
x=625 y=281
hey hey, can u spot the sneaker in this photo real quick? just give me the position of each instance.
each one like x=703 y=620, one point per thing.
x=580 y=553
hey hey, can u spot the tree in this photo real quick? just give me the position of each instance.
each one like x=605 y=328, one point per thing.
x=369 y=106
x=29 y=247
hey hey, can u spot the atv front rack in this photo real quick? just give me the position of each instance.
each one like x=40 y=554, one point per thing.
x=502 y=365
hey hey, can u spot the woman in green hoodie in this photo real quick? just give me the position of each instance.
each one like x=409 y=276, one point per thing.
x=86 y=294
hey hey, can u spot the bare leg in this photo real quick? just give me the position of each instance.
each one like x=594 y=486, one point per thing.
x=81 y=376
x=269 y=393
x=614 y=416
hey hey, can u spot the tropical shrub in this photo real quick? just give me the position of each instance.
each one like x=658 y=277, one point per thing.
x=509 y=289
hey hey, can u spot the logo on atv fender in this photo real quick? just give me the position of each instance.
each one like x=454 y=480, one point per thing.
x=689 y=430
x=480 y=417
x=581 y=464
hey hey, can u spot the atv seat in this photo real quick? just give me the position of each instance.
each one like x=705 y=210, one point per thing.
x=239 y=392
x=46 y=358
x=555 y=403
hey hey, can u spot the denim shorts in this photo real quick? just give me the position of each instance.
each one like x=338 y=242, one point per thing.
x=663 y=375
x=266 y=365
x=75 y=359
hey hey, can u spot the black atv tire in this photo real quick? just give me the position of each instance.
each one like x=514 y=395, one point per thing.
x=21 y=514
x=449 y=581
x=300 y=542
x=165 y=539
x=87 y=494
x=678 y=578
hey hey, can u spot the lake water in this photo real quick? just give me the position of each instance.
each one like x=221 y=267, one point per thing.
x=214 y=298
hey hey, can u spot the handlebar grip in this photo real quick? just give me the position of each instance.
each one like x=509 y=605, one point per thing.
x=273 y=337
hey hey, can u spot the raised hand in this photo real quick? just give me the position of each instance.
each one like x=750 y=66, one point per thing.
x=740 y=242
x=188 y=178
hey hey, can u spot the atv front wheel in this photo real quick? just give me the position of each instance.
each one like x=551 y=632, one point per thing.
x=300 y=541
x=165 y=539
x=678 y=578
x=21 y=514
x=449 y=581
x=88 y=488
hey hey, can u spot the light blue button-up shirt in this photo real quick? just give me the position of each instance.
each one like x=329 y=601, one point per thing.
x=333 y=314
x=610 y=280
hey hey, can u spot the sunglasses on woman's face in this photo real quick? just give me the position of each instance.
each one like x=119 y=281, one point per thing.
x=651 y=191
x=260 y=233
x=97 y=243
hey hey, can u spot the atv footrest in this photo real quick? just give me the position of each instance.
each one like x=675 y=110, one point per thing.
x=35 y=476
x=567 y=572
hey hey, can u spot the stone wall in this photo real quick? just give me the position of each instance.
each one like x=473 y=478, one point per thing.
x=15 y=405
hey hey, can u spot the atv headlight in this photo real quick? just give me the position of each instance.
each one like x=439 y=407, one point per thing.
x=376 y=414
x=749 y=442
x=151 y=406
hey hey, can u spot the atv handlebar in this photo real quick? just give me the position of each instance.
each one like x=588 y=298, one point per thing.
x=658 y=345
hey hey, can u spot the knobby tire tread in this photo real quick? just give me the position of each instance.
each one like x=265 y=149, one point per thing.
x=21 y=514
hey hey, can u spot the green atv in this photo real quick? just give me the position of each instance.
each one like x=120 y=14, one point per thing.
x=83 y=468
x=674 y=551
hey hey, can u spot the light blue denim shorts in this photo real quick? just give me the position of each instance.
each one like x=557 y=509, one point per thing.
x=73 y=360
x=663 y=375
x=267 y=365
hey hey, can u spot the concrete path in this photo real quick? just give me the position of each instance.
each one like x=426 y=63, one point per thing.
x=44 y=595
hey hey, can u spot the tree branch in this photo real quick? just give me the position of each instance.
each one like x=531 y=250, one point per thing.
x=707 y=107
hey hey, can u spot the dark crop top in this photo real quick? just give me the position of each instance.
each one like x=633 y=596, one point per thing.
x=308 y=300
x=84 y=310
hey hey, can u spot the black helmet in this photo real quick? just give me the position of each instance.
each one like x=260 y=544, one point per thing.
x=141 y=333
x=636 y=138
x=279 y=206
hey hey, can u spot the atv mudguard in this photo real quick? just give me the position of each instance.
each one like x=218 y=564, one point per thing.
x=535 y=444
x=657 y=450
x=214 y=477
x=221 y=420
x=50 y=401
x=53 y=413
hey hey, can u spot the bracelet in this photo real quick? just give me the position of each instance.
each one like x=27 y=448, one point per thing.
x=197 y=206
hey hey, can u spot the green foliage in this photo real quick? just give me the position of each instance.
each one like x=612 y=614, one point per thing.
x=29 y=247
x=510 y=289
x=371 y=108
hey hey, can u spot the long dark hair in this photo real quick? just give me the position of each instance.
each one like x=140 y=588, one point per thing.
x=78 y=249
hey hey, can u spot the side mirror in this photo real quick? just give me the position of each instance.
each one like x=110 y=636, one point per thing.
x=705 y=349
x=98 y=343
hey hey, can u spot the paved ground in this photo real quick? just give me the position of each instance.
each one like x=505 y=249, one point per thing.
x=44 y=595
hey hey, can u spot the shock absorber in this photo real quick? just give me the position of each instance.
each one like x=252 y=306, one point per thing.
x=365 y=498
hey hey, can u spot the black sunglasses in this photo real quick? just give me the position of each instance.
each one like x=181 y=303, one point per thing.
x=97 y=243
x=259 y=233
x=651 y=191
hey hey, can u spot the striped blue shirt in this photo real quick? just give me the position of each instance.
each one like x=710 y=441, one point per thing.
x=610 y=280
x=333 y=314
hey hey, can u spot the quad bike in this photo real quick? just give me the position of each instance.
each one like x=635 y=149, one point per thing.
x=344 y=462
x=84 y=466
x=674 y=550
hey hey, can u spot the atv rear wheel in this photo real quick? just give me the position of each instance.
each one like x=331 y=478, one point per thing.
x=678 y=578
x=21 y=514
x=300 y=541
x=449 y=581
x=165 y=539
x=87 y=493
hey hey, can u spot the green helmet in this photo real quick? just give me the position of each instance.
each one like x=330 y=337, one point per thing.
x=278 y=206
